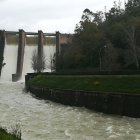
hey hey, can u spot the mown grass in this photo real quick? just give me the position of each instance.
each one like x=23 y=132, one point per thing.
x=124 y=84
x=4 y=135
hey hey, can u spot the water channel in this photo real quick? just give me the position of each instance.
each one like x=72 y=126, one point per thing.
x=46 y=120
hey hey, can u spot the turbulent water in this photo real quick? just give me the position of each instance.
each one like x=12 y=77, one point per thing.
x=45 y=120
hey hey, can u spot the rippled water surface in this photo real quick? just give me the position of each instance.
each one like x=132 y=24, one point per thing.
x=45 y=120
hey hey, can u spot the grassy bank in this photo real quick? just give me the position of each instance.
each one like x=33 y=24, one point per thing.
x=4 y=135
x=124 y=84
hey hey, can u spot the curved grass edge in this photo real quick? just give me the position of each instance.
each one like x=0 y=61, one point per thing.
x=124 y=104
x=113 y=83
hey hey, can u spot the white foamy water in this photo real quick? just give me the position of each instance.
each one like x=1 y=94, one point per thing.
x=45 y=120
x=10 y=58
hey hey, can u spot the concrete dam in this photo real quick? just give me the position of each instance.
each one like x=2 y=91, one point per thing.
x=21 y=34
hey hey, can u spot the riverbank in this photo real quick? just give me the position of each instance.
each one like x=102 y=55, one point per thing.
x=104 y=83
x=109 y=94
x=4 y=135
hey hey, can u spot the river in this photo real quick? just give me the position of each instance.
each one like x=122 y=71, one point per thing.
x=45 y=120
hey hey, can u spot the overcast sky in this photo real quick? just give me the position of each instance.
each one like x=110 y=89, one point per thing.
x=46 y=15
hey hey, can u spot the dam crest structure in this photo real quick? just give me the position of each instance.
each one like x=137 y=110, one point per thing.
x=21 y=46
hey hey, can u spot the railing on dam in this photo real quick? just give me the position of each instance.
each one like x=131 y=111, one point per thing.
x=21 y=46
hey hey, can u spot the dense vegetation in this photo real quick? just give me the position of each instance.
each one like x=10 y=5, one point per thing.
x=124 y=84
x=4 y=135
x=105 y=40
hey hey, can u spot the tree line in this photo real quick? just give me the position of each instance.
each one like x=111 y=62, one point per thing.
x=105 y=40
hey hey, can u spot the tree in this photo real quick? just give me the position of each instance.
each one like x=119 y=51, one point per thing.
x=115 y=13
x=36 y=64
x=51 y=62
x=132 y=8
x=89 y=38
x=110 y=58
x=131 y=28
x=119 y=29
x=98 y=17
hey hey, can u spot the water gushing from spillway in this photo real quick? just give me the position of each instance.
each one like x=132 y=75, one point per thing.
x=10 y=58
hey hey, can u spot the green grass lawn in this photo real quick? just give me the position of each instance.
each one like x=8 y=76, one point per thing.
x=7 y=136
x=106 y=83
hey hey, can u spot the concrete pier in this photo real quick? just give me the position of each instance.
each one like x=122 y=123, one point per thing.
x=20 y=58
x=40 y=50
x=58 y=49
x=40 y=44
x=2 y=46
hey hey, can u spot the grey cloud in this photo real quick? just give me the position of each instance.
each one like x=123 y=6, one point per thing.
x=34 y=14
